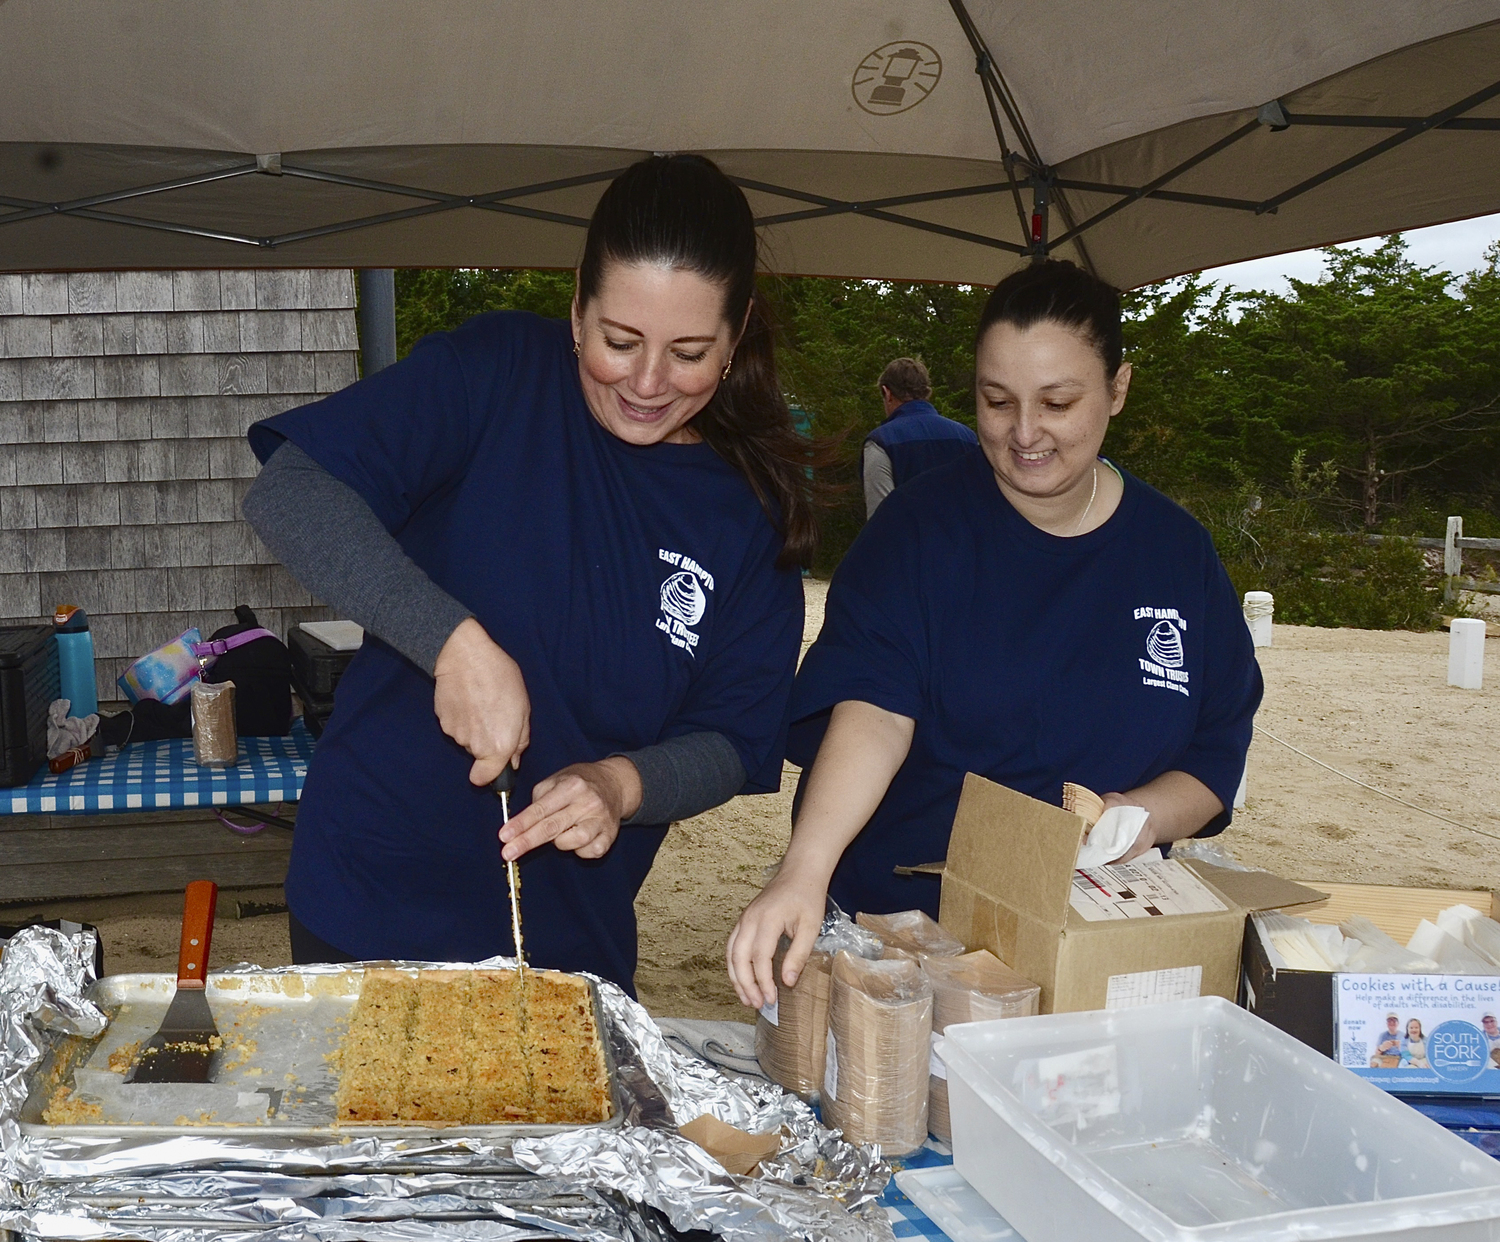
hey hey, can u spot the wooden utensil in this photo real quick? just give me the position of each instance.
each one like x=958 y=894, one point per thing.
x=502 y=785
x=186 y=1044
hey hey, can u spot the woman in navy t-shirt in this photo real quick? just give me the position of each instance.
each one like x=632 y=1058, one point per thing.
x=1029 y=613
x=575 y=548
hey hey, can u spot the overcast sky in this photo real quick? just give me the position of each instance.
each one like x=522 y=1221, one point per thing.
x=1457 y=247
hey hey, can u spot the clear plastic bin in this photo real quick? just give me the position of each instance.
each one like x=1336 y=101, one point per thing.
x=1195 y=1120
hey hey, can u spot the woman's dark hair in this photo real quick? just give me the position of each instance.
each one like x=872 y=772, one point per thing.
x=1054 y=291
x=681 y=211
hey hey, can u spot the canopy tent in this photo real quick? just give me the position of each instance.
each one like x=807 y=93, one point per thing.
x=913 y=139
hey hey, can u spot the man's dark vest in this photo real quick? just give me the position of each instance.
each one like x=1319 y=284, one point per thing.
x=916 y=438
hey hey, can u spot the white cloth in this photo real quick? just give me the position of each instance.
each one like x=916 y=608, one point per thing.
x=1115 y=833
x=65 y=732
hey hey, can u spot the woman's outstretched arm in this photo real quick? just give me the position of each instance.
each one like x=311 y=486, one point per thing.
x=860 y=754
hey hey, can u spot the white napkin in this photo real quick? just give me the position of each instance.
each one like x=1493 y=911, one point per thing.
x=1115 y=833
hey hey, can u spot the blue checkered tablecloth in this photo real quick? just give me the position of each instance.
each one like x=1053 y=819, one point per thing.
x=907 y=1219
x=157 y=776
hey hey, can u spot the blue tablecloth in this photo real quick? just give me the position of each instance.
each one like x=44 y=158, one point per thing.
x=157 y=776
x=907 y=1219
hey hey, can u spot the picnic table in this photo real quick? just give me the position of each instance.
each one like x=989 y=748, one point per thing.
x=148 y=819
x=163 y=775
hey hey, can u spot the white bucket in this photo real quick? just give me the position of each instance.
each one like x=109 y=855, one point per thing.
x=1259 y=605
x=1466 y=653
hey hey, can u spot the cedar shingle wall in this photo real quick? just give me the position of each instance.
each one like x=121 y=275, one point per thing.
x=124 y=401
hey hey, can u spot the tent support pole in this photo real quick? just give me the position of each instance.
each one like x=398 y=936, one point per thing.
x=866 y=209
x=1040 y=201
x=876 y=204
x=1418 y=126
x=1249 y=127
x=377 y=319
x=997 y=90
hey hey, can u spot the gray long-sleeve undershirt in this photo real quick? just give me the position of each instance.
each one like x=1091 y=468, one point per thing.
x=330 y=540
x=880 y=478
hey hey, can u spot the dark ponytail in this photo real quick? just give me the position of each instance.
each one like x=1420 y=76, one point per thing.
x=1055 y=291
x=681 y=211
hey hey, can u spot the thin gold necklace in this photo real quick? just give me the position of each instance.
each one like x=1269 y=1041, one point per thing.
x=1093 y=491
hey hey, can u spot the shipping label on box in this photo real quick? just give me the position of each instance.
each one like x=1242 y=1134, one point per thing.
x=1140 y=891
x=1420 y=1034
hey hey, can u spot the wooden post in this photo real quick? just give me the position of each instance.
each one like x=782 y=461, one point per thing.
x=1453 y=559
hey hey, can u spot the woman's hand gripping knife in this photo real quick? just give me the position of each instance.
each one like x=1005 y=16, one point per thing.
x=861 y=752
x=482 y=704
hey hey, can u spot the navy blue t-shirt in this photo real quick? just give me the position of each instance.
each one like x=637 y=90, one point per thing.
x=1105 y=659
x=635 y=586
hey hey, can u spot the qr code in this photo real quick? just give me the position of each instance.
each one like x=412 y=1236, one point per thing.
x=1355 y=1054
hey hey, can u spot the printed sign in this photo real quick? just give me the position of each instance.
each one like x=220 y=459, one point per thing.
x=1421 y=1034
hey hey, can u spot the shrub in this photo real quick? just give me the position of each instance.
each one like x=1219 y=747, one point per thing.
x=1288 y=545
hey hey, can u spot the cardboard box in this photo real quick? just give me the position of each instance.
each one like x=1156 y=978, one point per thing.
x=1008 y=887
x=1304 y=1003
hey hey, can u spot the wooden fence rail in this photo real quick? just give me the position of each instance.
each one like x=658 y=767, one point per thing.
x=1453 y=544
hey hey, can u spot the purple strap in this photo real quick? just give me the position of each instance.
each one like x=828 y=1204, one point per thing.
x=222 y=646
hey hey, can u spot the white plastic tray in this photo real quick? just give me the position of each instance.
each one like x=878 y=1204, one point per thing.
x=1193 y=1121
x=953 y=1205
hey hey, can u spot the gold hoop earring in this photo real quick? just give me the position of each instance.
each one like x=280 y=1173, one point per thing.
x=728 y=367
x=577 y=353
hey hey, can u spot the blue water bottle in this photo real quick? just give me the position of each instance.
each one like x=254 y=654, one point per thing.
x=75 y=660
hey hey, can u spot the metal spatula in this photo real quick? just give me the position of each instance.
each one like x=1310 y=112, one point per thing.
x=185 y=1046
x=502 y=785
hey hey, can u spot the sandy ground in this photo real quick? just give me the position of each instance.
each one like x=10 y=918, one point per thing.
x=1373 y=704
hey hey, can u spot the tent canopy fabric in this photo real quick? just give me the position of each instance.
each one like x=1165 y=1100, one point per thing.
x=919 y=140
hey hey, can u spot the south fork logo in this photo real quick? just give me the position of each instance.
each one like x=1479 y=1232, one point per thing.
x=1166 y=650
x=1458 y=1051
x=684 y=600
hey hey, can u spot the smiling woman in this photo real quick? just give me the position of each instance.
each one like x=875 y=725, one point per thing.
x=1029 y=613
x=649 y=363
x=574 y=548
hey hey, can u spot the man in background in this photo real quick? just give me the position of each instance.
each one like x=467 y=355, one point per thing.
x=913 y=438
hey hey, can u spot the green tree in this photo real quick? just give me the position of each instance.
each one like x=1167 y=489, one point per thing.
x=439 y=299
x=1375 y=367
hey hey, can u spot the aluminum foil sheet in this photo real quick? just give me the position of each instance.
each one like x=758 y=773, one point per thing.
x=625 y=1184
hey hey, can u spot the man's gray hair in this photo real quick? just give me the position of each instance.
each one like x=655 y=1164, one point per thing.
x=907 y=380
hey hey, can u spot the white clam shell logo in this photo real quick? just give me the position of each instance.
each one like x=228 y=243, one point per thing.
x=1163 y=644
x=682 y=597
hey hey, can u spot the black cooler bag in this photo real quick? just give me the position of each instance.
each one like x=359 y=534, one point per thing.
x=262 y=674
x=29 y=681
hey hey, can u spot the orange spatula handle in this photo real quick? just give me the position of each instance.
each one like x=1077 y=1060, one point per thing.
x=197 y=930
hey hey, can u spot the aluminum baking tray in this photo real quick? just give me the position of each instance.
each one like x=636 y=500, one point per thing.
x=275 y=1076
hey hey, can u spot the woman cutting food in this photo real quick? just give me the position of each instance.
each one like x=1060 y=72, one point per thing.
x=1029 y=613
x=574 y=547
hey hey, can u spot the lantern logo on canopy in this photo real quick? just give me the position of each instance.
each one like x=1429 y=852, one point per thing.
x=896 y=77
